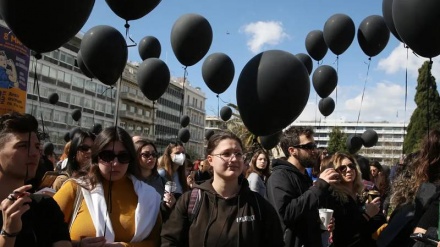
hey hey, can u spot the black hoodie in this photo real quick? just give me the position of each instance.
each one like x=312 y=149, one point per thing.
x=297 y=201
x=246 y=219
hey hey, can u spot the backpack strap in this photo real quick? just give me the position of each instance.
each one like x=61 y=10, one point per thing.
x=194 y=204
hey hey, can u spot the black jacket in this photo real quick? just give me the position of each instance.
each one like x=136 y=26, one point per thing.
x=297 y=201
x=244 y=220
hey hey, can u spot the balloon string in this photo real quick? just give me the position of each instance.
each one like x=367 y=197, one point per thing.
x=428 y=116
x=218 y=106
x=406 y=96
x=154 y=114
x=363 y=93
x=37 y=88
x=316 y=106
x=337 y=72
x=127 y=35
x=183 y=90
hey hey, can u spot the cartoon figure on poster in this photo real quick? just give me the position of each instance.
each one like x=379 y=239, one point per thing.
x=8 y=72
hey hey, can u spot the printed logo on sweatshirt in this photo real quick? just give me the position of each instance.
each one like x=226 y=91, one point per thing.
x=245 y=218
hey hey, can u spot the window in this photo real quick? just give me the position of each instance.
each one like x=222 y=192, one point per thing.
x=59 y=116
x=63 y=96
x=123 y=107
x=88 y=103
x=53 y=73
x=45 y=70
x=147 y=113
x=140 y=111
x=132 y=109
x=68 y=78
x=75 y=100
x=60 y=76
x=124 y=89
x=99 y=106
x=78 y=82
x=90 y=86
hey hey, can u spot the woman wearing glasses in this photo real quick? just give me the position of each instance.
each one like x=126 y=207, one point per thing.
x=111 y=206
x=355 y=220
x=78 y=159
x=226 y=212
x=172 y=167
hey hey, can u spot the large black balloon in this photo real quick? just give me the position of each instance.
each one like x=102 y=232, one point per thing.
x=270 y=141
x=96 y=129
x=53 y=98
x=153 y=78
x=369 y=138
x=191 y=38
x=183 y=135
x=149 y=47
x=44 y=26
x=184 y=121
x=218 y=72
x=76 y=114
x=373 y=35
x=132 y=9
x=387 y=12
x=326 y=106
x=339 y=33
x=272 y=91
x=82 y=66
x=209 y=133
x=104 y=52
x=226 y=113
x=306 y=60
x=354 y=143
x=315 y=45
x=325 y=80
x=418 y=25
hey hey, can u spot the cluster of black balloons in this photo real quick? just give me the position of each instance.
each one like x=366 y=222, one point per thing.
x=325 y=80
x=183 y=135
x=368 y=139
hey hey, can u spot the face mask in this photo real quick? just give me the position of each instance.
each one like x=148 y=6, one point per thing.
x=179 y=159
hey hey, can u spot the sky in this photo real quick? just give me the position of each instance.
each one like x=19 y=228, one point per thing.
x=244 y=28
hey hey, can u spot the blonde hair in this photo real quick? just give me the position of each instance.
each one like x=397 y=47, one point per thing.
x=341 y=191
x=65 y=151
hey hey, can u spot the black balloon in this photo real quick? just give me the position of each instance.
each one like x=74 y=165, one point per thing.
x=218 y=72
x=339 y=33
x=48 y=148
x=387 y=13
x=270 y=141
x=153 y=78
x=53 y=98
x=326 y=106
x=184 y=121
x=373 y=35
x=67 y=137
x=104 y=52
x=183 y=135
x=306 y=60
x=226 y=113
x=76 y=114
x=272 y=91
x=132 y=9
x=418 y=25
x=354 y=143
x=209 y=133
x=82 y=66
x=191 y=38
x=73 y=132
x=325 y=80
x=315 y=45
x=149 y=47
x=44 y=26
x=369 y=138
x=96 y=129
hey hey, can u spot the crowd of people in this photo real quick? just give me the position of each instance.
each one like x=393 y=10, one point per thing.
x=112 y=189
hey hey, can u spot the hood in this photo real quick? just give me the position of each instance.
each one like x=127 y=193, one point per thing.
x=278 y=164
x=207 y=186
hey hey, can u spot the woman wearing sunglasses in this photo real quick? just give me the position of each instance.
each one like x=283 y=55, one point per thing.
x=229 y=213
x=355 y=220
x=78 y=158
x=115 y=208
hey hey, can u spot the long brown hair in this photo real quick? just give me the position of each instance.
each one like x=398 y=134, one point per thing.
x=141 y=144
x=253 y=165
x=166 y=163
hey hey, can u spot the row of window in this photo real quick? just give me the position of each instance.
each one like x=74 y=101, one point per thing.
x=136 y=109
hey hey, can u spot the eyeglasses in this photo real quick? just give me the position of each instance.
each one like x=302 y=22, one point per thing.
x=307 y=146
x=227 y=156
x=343 y=168
x=109 y=156
x=148 y=155
x=84 y=148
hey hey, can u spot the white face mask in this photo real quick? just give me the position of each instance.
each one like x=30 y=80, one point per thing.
x=179 y=159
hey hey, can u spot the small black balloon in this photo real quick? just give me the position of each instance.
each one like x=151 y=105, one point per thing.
x=76 y=114
x=373 y=35
x=184 y=121
x=315 y=45
x=67 y=137
x=48 y=148
x=53 y=98
x=270 y=141
x=149 y=47
x=226 y=113
x=153 y=78
x=354 y=143
x=183 y=135
x=326 y=106
x=369 y=138
x=209 y=133
x=96 y=129
x=218 y=72
x=325 y=79
x=306 y=60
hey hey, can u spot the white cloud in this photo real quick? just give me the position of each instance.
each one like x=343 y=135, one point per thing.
x=264 y=33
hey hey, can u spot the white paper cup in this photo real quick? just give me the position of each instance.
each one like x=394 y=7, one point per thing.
x=325 y=215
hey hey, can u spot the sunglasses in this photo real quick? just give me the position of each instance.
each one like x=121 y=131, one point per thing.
x=109 y=156
x=148 y=155
x=84 y=148
x=343 y=168
x=308 y=146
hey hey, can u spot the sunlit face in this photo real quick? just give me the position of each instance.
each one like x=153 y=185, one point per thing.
x=147 y=157
x=374 y=171
x=227 y=160
x=261 y=161
x=347 y=169
x=115 y=169
x=307 y=157
x=177 y=150
x=84 y=153
x=20 y=155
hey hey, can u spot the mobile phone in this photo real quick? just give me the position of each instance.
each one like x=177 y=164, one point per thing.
x=424 y=239
x=48 y=179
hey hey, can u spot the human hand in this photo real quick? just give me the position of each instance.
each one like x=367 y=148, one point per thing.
x=169 y=199
x=92 y=242
x=13 y=207
x=372 y=208
x=330 y=175
x=190 y=181
x=331 y=225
